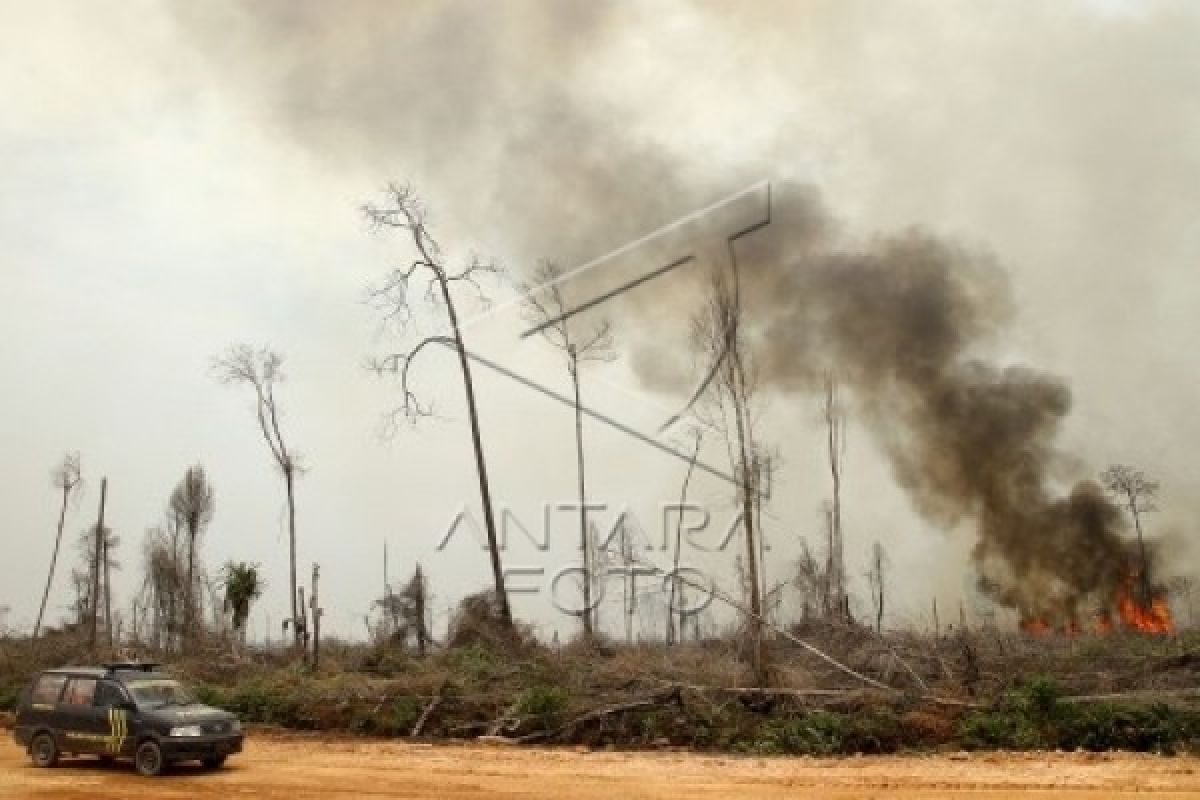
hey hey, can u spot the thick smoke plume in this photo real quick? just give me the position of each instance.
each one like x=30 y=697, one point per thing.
x=529 y=124
x=904 y=320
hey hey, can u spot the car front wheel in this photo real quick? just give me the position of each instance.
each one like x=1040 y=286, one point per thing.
x=43 y=750
x=148 y=760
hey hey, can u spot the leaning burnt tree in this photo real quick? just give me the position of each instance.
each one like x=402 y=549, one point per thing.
x=67 y=478
x=581 y=342
x=402 y=212
x=261 y=369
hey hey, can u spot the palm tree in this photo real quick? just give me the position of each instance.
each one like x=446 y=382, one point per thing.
x=242 y=587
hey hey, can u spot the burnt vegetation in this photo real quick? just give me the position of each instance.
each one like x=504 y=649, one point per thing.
x=889 y=334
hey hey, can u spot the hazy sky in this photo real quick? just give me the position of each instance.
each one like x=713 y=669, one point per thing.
x=179 y=177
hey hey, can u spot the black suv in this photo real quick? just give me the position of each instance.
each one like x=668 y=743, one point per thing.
x=122 y=711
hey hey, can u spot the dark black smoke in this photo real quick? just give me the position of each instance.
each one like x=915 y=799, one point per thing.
x=903 y=321
x=490 y=102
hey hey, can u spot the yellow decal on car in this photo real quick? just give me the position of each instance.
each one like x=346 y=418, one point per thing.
x=118 y=725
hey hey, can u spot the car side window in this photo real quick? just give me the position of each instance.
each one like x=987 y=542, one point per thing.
x=109 y=694
x=80 y=692
x=47 y=690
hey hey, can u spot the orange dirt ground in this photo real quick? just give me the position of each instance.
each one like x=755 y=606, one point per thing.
x=296 y=767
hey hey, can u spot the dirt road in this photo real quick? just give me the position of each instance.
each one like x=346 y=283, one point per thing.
x=296 y=767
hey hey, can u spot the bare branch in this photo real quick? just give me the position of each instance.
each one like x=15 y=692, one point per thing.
x=546 y=307
x=399 y=364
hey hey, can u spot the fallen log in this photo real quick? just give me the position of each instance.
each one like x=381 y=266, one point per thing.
x=664 y=698
x=429 y=709
x=823 y=696
x=1136 y=695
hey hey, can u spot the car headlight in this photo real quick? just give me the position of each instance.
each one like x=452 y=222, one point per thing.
x=187 y=730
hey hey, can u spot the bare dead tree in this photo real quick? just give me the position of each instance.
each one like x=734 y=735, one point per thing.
x=1136 y=492
x=875 y=579
x=628 y=587
x=192 y=505
x=836 y=446
x=581 y=342
x=674 y=629
x=728 y=406
x=406 y=613
x=81 y=589
x=416 y=597
x=317 y=613
x=165 y=583
x=94 y=559
x=262 y=369
x=810 y=581
x=97 y=544
x=403 y=212
x=68 y=479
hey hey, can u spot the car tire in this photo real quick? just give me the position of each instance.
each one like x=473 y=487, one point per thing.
x=43 y=750
x=213 y=762
x=148 y=760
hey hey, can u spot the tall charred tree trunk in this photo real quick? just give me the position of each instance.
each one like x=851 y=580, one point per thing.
x=748 y=475
x=192 y=597
x=675 y=621
x=108 y=626
x=420 y=612
x=95 y=589
x=316 y=618
x=588 y=628
x=1144 y=571
x=289 y=480
x=62 y=520
x=485 y=492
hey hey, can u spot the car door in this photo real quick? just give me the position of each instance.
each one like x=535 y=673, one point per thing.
x=113 y=702
x=85 y=728
x=42 y=711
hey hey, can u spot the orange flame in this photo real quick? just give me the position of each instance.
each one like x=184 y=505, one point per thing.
x=1153 y=619
x=1036 y=626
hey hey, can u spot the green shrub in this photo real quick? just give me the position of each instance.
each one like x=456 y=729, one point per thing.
x=1008 y=729
x=9 y=694
x=396 y=718
x=875 y=731
x=268 y=704
x=1100 y=727
x=542 y=700
x=819 y=733
x=1033 y=716
x=1039 y=698
x=473 y=662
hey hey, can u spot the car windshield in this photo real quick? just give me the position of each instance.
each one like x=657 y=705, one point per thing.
x=160 y=693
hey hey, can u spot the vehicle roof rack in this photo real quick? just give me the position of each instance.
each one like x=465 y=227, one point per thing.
x=131 y=666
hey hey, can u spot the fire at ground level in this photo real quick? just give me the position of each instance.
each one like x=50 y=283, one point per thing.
x=298 y=767
x=1129 y=612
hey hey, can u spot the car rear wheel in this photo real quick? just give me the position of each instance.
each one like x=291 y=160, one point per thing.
x=43 y=750
x=148 y=760
x=213 y=762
